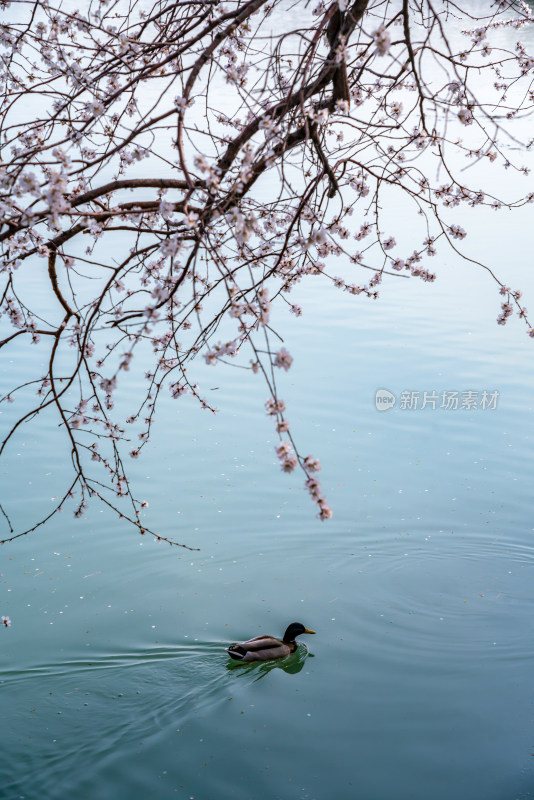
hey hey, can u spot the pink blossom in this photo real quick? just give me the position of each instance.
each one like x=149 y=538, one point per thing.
x=289 y=464
x=342 y=106
x=364 y=231
x=325 y=512
x=457 y=232
x=274 y=407
x=312 y=464
x=283 y=450
x=313 y=486
x=382 y=40
x=166 y=209
x=177 y=389
x=283 y=359
x=465 y=116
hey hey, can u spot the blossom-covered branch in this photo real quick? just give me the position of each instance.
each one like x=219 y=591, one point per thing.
x=272 y=154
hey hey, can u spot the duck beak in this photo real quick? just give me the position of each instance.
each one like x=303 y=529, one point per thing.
x=307 y=630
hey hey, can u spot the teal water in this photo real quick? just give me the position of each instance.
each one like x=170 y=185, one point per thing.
x=114 y=681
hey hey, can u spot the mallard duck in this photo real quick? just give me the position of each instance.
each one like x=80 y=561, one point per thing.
x=267 y=648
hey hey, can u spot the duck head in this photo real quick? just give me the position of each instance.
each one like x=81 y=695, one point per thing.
x=294 y=630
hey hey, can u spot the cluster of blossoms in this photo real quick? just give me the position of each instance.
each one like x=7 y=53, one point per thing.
x=244 y=226
x=457 y=232
x=314 y=488
x=286 y=456
x=382 y=41
x=220 y=350
x=359 y=184
x=177 y=389
x=506 y=311
x=283 y=359
x=507 y=307
x=465 y=115
x=275 y=407
x=288 y=462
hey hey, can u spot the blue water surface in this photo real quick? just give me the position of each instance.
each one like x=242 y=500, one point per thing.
x=114 y=680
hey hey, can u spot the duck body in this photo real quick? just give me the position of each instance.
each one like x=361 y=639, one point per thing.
x=268 y=648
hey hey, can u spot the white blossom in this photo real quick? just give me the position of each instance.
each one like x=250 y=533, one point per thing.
x=382 y=40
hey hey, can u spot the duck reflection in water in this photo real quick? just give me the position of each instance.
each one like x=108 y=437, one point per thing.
x=292 y=664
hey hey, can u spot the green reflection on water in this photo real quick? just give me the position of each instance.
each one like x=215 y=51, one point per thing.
x=292 y=664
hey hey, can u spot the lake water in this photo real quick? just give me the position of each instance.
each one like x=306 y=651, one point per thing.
x=113 y=677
